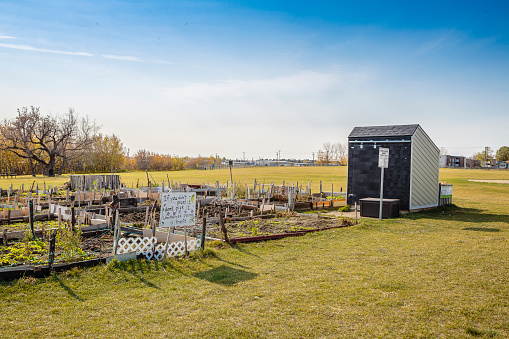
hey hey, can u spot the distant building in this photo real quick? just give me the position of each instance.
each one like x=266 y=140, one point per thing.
x=452 y=161
x=503 y=164
x=472 y=163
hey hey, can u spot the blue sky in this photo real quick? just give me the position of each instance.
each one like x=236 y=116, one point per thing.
x=227 y=77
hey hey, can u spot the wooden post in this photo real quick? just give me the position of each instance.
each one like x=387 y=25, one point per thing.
x=4 y=236
x=146 y=216
x=51 y=254
x=116 y=233
x=203 y=228
x=166 y=244
x=73 y=217
x=31 y=217
x=49 y=207
x=185 y=241
x=223 y=228
x=153 y=228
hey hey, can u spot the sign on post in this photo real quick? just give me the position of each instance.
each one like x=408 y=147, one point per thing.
x=383 y=157
x=177 y=209
x=383 y=162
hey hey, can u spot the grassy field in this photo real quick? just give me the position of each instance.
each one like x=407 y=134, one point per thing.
x=435 y=274
x=329 y=175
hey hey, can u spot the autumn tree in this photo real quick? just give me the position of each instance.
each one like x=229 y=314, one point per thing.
x=503 y=153
x=107 y=153
x=47 y=140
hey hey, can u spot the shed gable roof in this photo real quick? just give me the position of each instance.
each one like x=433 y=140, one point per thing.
x=383 y=131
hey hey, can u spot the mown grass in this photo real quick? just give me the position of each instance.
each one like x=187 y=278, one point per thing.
x=329 y=175
x=440 y=273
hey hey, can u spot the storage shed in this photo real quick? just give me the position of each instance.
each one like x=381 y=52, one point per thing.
x=412 y=175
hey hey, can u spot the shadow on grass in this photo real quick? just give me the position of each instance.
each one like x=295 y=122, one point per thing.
x=453 y=212
x=67 y=288
x=225 y=275
x=482 y=229
x=241 y=249
x=143 y=280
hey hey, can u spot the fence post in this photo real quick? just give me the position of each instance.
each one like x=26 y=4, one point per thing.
x=223 y=227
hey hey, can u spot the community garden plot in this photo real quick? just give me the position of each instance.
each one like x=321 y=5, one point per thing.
x=85 y=227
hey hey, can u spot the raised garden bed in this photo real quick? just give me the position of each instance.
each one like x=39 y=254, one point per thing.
x=282 y=225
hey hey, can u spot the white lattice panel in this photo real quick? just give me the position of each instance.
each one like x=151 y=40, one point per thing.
x=149 y=248
x=144 y=246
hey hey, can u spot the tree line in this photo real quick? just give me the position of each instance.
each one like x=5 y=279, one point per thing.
x=32 y=143
x=502 y=154
x=332 y=154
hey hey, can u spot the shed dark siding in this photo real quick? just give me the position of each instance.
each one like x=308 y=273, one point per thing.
x=364 y=173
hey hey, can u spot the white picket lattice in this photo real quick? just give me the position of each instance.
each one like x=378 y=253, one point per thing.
x=150 y=249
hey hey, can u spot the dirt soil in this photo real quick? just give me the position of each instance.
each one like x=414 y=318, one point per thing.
x=136 y=217
x=281 y=225
x=494 y=181
x=101 y=244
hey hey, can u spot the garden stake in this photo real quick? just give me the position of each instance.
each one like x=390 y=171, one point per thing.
x=185 y=240
x=204 y=226
x=355 y=212
x=51 y=256
x=4 y=236
x=31 y=217
x=73 y=218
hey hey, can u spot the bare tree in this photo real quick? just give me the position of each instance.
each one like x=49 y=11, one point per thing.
x=47 y=140
x=340 y=153
x=332 y=153
x=325 y=155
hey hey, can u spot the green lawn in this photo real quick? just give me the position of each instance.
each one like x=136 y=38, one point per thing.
x=329 y=175
x=441 y=273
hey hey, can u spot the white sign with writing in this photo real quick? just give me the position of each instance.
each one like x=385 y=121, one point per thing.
x=446 y=191
x=383 y=157
x=178 y=209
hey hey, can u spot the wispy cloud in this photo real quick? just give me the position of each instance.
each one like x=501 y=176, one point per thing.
x=43 y=50
x=121 y=57
x=6 y=36
x=301 y=83
x=438 y=42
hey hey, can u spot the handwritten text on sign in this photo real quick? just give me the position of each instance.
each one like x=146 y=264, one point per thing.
x=177 y=209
